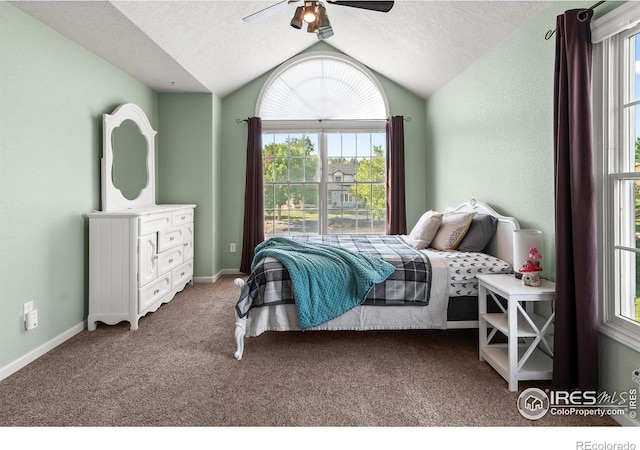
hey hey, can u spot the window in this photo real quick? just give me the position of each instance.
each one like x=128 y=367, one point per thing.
x=303 y=194
x=617 y=140
x=324 y=145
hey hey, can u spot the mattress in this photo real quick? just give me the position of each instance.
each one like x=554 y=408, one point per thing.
x=463 y=268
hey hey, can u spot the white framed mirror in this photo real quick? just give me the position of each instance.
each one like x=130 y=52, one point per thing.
x=128 y=167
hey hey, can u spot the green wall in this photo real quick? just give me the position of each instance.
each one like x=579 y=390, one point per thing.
x=491 y=131
x=52 y=97
x=487 y=134
x=187 y=146
x=242 y=104
x=490 y=137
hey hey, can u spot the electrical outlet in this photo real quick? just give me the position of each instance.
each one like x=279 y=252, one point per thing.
x=232 y=248
x=28 y=307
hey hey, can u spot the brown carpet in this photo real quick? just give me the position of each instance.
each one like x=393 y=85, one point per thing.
x=178 y=369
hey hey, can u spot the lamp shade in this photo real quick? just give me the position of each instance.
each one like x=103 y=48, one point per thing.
x=296 y=22
x=523 y=240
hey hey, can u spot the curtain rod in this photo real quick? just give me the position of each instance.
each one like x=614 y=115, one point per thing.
x=406 y=119
x=550 y=33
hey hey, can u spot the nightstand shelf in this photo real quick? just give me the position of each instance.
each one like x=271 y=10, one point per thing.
x=537 y=367
x=524 y=329
x=528 y=352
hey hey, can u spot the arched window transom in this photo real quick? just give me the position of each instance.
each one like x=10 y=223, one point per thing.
x=322 y=86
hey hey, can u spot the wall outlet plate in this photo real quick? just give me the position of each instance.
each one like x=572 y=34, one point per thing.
x=28 y=307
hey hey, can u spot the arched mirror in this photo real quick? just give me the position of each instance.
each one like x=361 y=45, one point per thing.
x=128 y=160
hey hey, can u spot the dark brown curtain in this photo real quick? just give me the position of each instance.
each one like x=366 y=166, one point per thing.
x=396 y=205
x=575 y=363
x=253 y=195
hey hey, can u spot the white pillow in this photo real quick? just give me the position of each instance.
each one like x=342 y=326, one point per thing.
x=453 y=228
x=425 y=229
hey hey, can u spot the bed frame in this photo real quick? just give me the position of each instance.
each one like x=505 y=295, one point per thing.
x=500 y=246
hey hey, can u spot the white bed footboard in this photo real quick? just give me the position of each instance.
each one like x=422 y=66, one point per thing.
x=241 y=327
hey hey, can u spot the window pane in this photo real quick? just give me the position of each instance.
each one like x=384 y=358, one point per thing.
x=627 y=292
x=311 y=166
x=334 y=147
x=633 y=158
x=628 y=218
x=353 y=188
x=296 y=169
x=634 y=50
x=349 y=147
x=310 y=225
x=289 y=161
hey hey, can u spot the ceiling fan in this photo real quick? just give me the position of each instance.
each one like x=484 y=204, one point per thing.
x=314 y=13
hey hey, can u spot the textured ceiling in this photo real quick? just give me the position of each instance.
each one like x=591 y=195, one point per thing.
x=204 y=46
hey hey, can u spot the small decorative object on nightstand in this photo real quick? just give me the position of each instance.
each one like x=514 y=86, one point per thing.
x=523 y=240
x=531 y=269
x=528 y=351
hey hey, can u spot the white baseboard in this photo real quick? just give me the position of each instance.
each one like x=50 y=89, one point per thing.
x=217 y=276
x=34 y=354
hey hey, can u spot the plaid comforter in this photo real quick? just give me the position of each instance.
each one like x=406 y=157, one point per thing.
x=410 y=283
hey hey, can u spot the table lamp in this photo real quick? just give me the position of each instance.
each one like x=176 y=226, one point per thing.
x=523 y=241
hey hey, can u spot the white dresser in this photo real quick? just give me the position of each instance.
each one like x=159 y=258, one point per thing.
x=140 y=253
x=138 y=260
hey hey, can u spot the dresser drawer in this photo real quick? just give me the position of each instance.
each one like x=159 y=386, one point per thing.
x=170 y=259
x=154 y=222
x=182 y=274
x=170 y=238
x=182 y=217
x=154 y=291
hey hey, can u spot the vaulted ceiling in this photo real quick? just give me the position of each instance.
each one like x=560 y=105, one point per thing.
x=205 y=46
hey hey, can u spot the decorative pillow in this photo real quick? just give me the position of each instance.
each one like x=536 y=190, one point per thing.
x=482 y=229
x=425 y=229
x=452 y=229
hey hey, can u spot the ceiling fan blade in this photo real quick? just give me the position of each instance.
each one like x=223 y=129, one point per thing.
x=266 y=11
x=371 y=6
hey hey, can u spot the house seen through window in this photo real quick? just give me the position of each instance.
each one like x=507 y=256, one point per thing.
x=324 y=146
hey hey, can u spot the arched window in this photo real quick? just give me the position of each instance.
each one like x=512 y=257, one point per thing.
x=324 y=145
x=322 y=86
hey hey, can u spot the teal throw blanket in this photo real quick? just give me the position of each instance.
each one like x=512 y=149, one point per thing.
x=327 y=280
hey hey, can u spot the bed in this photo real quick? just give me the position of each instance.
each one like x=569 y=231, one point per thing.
x=437 y=289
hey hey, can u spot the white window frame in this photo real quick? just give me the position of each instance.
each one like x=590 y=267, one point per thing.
x=609 y=35
x=361 y=123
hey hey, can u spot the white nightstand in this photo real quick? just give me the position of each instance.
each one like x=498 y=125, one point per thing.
x=527 y=333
